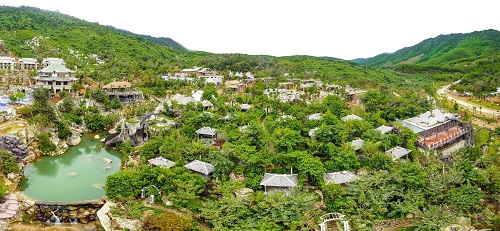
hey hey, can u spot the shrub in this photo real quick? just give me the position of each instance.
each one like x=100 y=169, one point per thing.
x=8 y=162
x=44 y=143
x=3 y=188
x=168 y=221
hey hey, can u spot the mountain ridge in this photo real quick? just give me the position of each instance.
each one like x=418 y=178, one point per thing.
x=441 y=49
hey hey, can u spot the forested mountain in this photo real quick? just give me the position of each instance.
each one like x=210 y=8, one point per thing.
x=32 y=32
x=161 y=40
x=440 y=50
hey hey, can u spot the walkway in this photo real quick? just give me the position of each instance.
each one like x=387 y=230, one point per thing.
x=10 y=207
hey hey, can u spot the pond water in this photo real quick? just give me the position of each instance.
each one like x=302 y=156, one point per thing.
x=78 y=175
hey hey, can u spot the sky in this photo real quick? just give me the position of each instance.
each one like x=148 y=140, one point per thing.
x=345 y=29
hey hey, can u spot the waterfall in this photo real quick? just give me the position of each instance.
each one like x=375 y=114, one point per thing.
x=54 y=218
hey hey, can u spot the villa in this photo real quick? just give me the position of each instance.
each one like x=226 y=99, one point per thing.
x=440 y=131
x=49 y=61
x=123 y=91
x=342 y=177
x=398 y=152
x=279 y=182
x=201 y=168
x=27 y=64
x=7 y=62
x=56 y=77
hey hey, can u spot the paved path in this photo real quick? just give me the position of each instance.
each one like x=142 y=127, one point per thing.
x=10 y=207
x=102 y=214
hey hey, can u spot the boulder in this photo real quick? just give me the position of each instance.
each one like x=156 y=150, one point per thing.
x=107 y=160
x=74 y=140
x=128 y=223
x=96 y=137
x=243 y=192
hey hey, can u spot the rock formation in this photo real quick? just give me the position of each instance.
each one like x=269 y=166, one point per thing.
x=14 y=146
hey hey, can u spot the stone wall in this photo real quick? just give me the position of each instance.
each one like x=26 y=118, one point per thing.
x=78 y=212
x=14 y=146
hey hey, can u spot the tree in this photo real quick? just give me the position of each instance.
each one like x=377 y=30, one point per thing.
x=45 y=144
x=465 y=198
x=208 y=91
x=287 y=140
x=335 y=104
x=95 y=122
x=333 y=194
x=124 y=184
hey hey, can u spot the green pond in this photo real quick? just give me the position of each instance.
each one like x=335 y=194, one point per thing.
x=78 y=175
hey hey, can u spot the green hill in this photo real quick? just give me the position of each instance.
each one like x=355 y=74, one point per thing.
x=440 y=50
x=32 y=32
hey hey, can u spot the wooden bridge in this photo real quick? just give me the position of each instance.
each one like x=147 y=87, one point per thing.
x=334 y=217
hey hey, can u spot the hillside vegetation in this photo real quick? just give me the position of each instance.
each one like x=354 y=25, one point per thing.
x=472 y=57
x=441 y=50
x=31 y=32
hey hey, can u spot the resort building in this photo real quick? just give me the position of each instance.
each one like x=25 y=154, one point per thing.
x=279 y=182
x=49 y=61
x=27 y=64
x=56 y=77
x=398 y=152
x=123 y=91
x=161 y=162
x=201 y=168
x=342 y=177
x=7 y=63
x=440 y=131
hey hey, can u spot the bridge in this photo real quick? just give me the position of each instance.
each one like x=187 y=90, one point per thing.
x=334 y=217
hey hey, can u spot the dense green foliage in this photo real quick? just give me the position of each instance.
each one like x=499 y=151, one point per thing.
x=3 y=188
x=168 y=221
x=8 y=163
x=45 y=144
x=440 y=50
x=472 y=57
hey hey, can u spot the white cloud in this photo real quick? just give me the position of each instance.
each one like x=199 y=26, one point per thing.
x=342 y=29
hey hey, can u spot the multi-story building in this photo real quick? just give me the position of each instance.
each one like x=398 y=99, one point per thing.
x=56 y=77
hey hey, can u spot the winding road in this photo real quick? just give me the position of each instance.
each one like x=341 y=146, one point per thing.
x=485 y=111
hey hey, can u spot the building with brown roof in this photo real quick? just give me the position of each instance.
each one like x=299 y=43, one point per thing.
x=123 y=91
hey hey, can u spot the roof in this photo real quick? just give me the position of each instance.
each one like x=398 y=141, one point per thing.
x=245 y=106
x=206 y=131
x=160 y=161
x=28 y=60
x=7 y=59
x=315 y=116
x=200 y=166
x=53 y=60
x=397 y=152
x=351 y=117
x=56 y=67
x=113 y=85
x=280 y=180
x=181 y=99
x=339 y=177
x=55 y=78
x=207 y=103
x=428 y=120
x=384 y=129
x=311 y=132
x=357 y=144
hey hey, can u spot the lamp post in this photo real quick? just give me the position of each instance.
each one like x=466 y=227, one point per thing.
x=143 y=193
